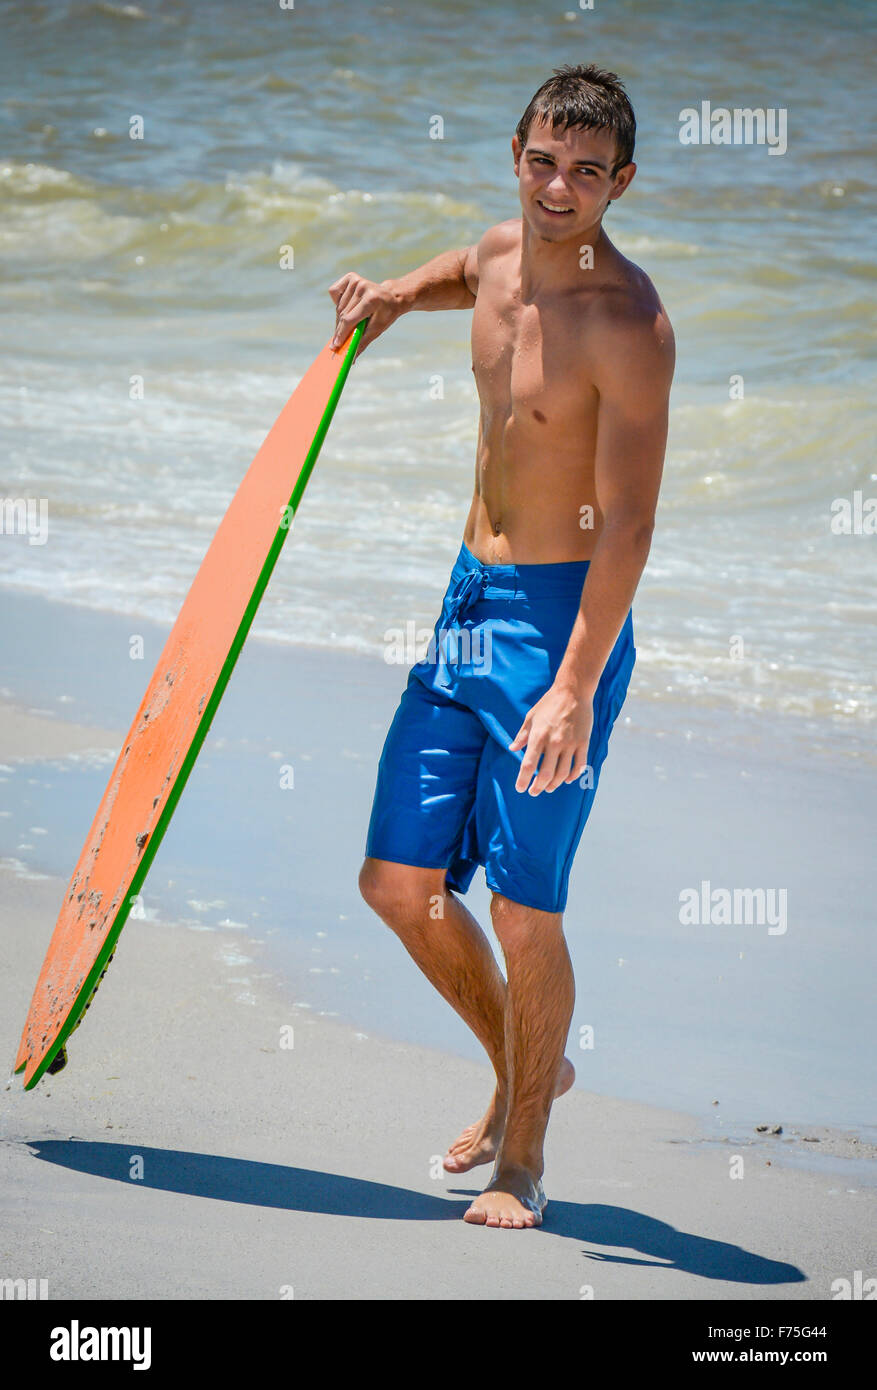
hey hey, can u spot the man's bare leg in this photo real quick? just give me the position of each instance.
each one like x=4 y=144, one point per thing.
x=539 y=1003
x=445 y=940
x=478 y=1143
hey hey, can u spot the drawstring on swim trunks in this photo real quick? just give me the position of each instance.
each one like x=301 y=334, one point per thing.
x=467 y=591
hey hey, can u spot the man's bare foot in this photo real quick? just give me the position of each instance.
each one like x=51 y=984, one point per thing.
x=479 y=1142
x=512 y=1199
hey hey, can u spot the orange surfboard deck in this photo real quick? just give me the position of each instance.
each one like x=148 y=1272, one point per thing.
x=176 y=713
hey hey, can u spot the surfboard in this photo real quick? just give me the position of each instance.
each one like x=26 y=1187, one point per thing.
x=176 y=712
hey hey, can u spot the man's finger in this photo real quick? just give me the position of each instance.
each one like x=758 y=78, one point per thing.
x=373 y=329
x=579 y=763
x=561 y=773
x=346 y=311
x=525 y=774
x=348 y=294
x=546 y=771
x=529 y=763
x=339 y=286
x=342 y=289
x=345 y=327
x=521 y=736
x=345 y=322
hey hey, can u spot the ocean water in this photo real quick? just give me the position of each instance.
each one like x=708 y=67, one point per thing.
x=263 y=127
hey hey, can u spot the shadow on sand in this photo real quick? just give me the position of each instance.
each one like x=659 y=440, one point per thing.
x=332 y=1194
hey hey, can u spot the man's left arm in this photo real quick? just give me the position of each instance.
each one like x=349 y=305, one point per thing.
x=633 y=381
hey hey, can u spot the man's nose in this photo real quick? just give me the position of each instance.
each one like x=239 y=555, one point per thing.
x=558 y=189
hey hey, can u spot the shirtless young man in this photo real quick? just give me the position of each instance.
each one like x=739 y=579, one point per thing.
x=573 y=357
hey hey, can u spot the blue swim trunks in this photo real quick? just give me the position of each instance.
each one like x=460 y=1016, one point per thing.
x=445 y=795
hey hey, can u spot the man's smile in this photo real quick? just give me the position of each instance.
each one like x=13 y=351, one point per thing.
x=553 y=209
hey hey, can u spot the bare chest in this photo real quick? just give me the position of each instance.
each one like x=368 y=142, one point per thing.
x=529 y=366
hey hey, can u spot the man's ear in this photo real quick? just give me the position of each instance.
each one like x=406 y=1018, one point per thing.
x=623 y=180
x=517 y=151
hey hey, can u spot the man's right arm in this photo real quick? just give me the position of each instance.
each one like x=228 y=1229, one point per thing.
x=442 y=283
x=448 y=281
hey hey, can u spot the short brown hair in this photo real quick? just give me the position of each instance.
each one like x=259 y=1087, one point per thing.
x=584 y=97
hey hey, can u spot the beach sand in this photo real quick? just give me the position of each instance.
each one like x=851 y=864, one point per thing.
x=770 y=1025
x=315 y=1166
x=188 y=1152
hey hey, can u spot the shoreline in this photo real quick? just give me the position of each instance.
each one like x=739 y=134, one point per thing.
x=790 y=737
x=338 y=960
x=844 y=1150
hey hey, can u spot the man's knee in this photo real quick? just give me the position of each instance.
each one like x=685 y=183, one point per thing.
x=400 y=893
x=517 y=926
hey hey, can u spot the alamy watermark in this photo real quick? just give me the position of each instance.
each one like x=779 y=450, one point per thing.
x=25 y=516
x=472 y=647
x=742 y=125
x=77 y=1343
x=11 y=1289
x=855 y=516
x=734 y=907
x=856 y=1288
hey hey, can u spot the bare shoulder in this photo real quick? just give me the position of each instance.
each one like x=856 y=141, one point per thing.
x=499 y=240
x=633 y=330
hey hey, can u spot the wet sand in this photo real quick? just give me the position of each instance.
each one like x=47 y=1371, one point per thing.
x=188 y=1151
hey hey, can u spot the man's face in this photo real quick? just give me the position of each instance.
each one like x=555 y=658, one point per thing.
x=570 y=170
